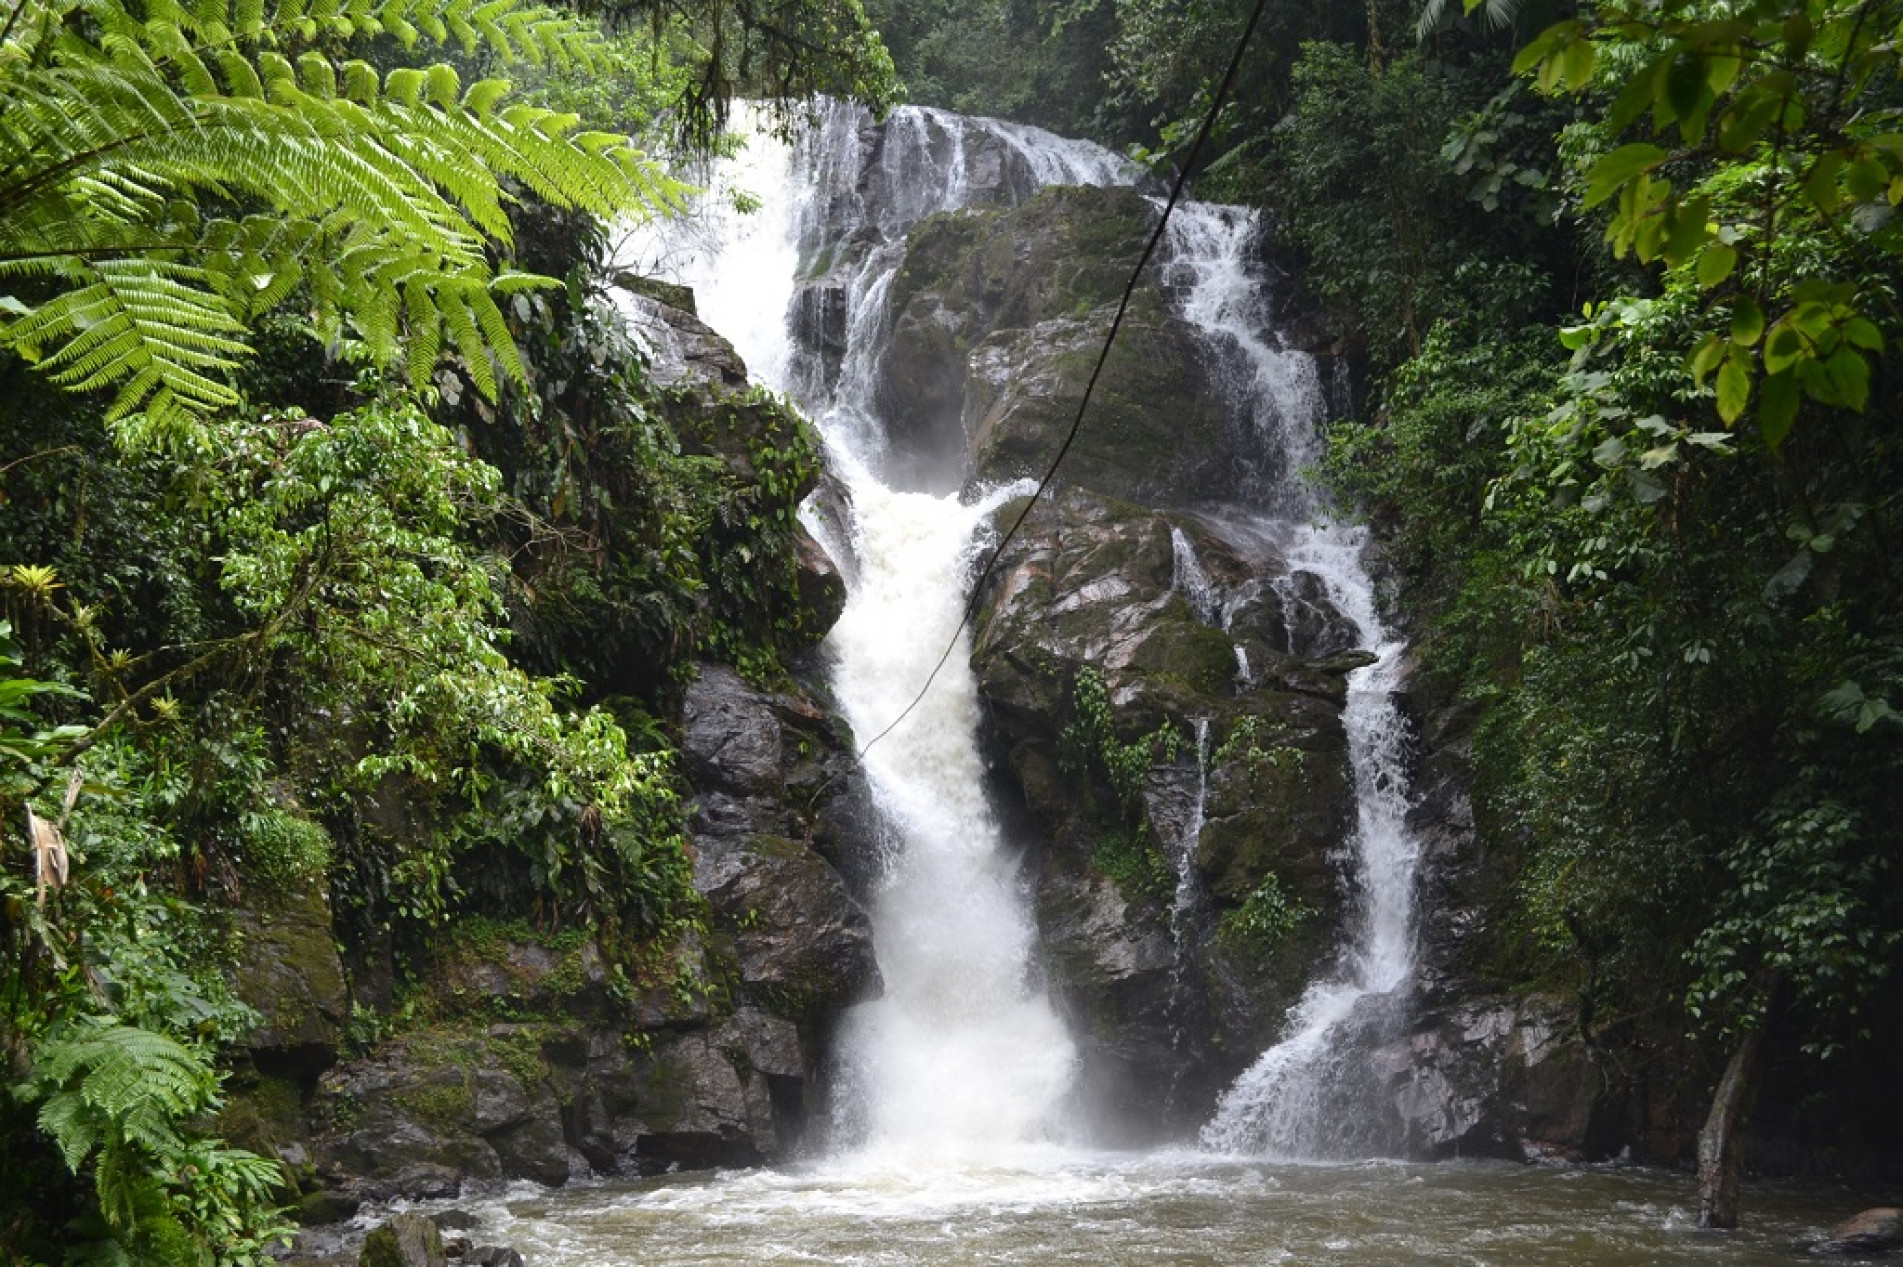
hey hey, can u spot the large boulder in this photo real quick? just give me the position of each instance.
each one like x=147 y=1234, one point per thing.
x=997 y=319
x=786 y=844
x=437 y=1108
x=1509 y=1078
x=289 y=971
x=1180 y=797
x=404 y=1240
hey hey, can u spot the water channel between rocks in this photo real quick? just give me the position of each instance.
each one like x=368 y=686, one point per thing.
x=953 y=1139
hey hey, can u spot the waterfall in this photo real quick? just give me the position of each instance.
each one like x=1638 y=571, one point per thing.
x=964 y=1054
x=1190 y=580
x=1298 y=1098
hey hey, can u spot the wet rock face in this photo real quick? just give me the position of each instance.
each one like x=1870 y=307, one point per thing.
x=708 y=1056
x=439 y=1109
x=290 y=973
x=1496 y=1078
x=997 y=318
x=1145 y=892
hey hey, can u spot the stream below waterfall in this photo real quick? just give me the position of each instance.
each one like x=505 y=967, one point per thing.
x=1184 y=1208
x=951 y=1138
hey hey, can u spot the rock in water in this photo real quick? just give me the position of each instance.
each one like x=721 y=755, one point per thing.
x=494 y=1256
x=405 y=1240
x=1874 y=1231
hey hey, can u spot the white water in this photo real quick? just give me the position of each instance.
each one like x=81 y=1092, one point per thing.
x=964 y=1056
x=1289 y=1103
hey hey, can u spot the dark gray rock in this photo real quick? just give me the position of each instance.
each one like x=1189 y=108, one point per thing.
x=684 y=1102
x=822 y=589
x=431 y=1112
x=730 y=738
x=522 y=976
x=494 y=1256
x=1508 y=1078
x=1168 y=1007
x=804 y=945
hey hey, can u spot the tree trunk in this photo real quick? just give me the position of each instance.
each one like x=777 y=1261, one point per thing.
x=1721 y=1142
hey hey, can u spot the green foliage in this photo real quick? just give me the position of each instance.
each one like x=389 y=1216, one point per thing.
x=1243 y=745
x=1131 y=862
x=1677 y=633
x=1801 y=913
x=1266 y=918
x=1369 y=186
x=1780 y=119
x=139 y=251
x=1088 y=745
x=787 y=52
x=24 y=740
x=1038 y=61
x=114 y=1100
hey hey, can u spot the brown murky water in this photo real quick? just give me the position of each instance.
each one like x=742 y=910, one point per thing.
x=1180 y=1208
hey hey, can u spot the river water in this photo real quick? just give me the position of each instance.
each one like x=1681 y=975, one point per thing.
x=1183 y=1208
x=954 y=1140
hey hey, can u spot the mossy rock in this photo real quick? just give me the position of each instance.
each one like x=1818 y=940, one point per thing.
x=406 y=1240
x=1191 y=654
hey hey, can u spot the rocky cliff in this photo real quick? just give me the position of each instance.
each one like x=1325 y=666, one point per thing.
x=519 y=1050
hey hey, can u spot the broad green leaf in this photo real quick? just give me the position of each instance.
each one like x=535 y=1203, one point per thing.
x=1715 y=264
x=1577 y=62
x=1635 y=96
x=1862 y=332
x=1848 y=376
x=1784 y=348
x=1607 y=176
x=1684 y=83
x=1747 y=322
x=1867 y=178
x=1777 y=408
x=1706 y=356
x=1690 y=222
x=1545 y=44
x=1745 y=120
x=1734 y=388
x=1820 y=183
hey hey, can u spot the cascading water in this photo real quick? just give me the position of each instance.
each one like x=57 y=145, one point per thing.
x=964 y=1052
x=963 y=1055
x=1291 y=1101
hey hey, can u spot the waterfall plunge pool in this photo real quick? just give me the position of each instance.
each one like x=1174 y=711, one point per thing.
x=1052 y=1205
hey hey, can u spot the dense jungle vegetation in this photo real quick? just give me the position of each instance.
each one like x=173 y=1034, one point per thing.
x=327 y=483
x=346 y=543
x=1620 y=284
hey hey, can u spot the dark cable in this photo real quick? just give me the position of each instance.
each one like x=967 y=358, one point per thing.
x=1116 y=324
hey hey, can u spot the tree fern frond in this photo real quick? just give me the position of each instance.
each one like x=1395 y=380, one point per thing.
x=426 y=333
x=463 y=330
x=134 y=118
x=108 y=1083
